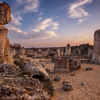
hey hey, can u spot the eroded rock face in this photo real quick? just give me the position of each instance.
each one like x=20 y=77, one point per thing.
x=38 y=72
x=74 y=64
x=5 y=17
x=5 y=14
x=96 y=49
x=9 y=69
x=68 y=50
x=61 y=65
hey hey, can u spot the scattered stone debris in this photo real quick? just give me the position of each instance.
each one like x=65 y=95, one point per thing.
x=30 y=55
x=82 y=84
x=60 y=98
x=89 y=68
x=72 y=74
x=48 y=70
x=9 y=69
x=21 y=88
x=67 y=86
x=57 y=78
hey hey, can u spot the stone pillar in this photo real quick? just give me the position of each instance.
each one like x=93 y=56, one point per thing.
x=12 y=50
x=62 y=53
x=58 y=53
x=61 y=65
x=96 y=49
x=48 y=51
x=68 y=50
x=22 y=51
x=90 y=53
x=5 y=18
x=79 y=52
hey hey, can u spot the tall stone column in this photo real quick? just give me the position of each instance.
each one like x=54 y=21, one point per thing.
x=5 y=18
x=96 y=49
x=68 y=50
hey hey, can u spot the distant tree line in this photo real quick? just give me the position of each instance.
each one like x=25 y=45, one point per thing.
x=16 y=46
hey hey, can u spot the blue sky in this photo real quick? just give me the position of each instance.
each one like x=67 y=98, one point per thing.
x=46 y=23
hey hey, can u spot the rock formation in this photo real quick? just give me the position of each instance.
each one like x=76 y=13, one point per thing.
x=58 y=53
x=61 y=65
x=5 y=18
x=22 y=51
x=68 y=50
x=96 y=49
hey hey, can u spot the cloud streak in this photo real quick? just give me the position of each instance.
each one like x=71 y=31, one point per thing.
x=76 y=9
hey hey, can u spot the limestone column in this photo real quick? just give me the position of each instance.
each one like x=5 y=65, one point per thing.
x=68 y=50
x=96 y=49
x=5 y=18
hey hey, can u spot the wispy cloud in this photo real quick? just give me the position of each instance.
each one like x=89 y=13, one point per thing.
x=47 y=23
x=16 y=20
x=40 y=13
x=40 y=18
x=76 y=9
x=81 y=20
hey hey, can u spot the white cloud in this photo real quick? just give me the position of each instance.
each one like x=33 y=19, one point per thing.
x=15 y=21
x=28 y=6
x=40 y=18
x=47 y=23
x=19 y=34
x=76 y=9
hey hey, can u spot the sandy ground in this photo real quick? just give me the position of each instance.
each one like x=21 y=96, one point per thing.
x=91 y=80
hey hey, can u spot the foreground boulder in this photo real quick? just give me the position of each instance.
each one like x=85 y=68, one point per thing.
x=67 y=86
x=57 y=78
x=38 y=72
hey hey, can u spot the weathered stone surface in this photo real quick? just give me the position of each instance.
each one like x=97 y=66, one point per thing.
x=38 y=72
x=89 y=68
x=58 y=53
x=61 y=65
x=90 y=53
x=30 y=55
x=67 y=86
x=68 y=50
x=5 y=13
x=23 y=89
x=9 y=69
x=22 y=51
x=57 y=78
x=7 y=50
x=96 y=49
x=16 y=56
x=74 y=64
x=5 y=17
